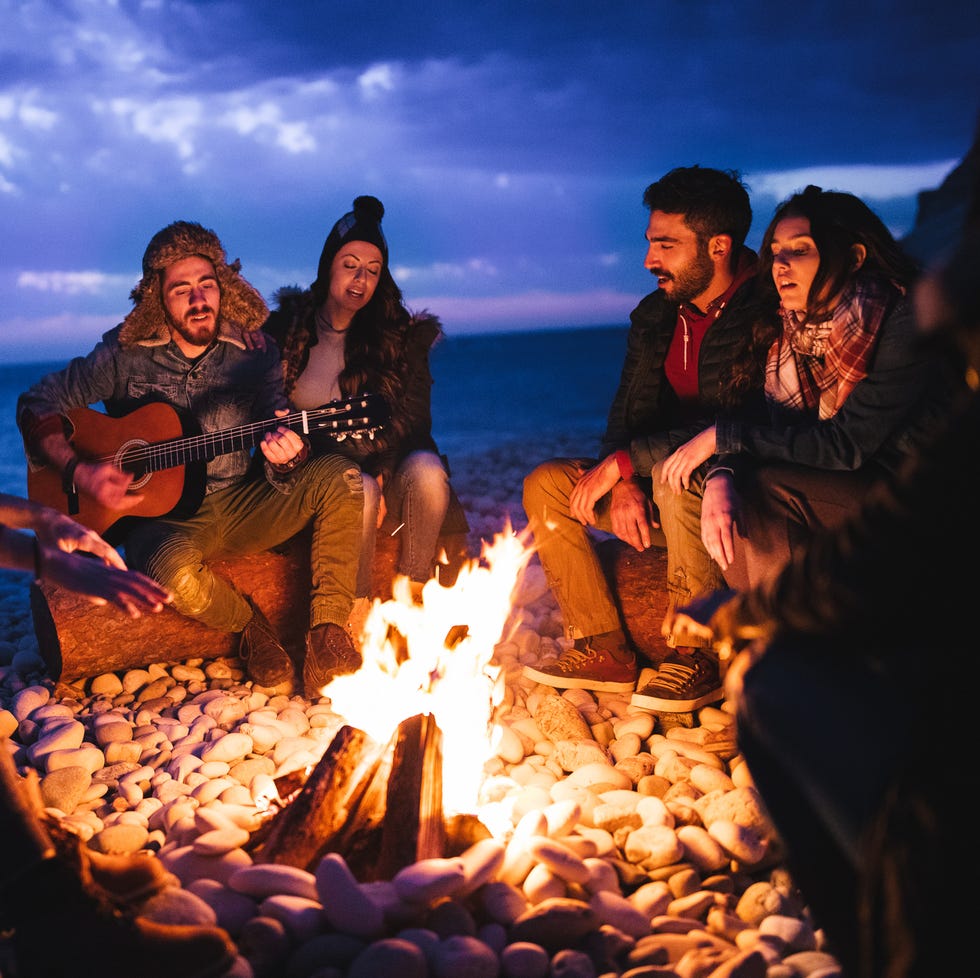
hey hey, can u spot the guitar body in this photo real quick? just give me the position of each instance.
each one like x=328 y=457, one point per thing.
x=177 y=490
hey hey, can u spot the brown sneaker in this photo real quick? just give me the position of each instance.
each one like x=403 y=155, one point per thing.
x=266 y=661
x=585 y=666
x=329 y=653
x=683 y=682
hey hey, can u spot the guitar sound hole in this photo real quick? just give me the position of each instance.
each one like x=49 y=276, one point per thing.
x=131 y=458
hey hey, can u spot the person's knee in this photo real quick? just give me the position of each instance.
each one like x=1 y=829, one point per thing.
x=338 y=480
x=544 y=483
x=425 y=472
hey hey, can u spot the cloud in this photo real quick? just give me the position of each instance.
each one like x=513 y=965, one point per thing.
x=75 y=283
x=870 y=181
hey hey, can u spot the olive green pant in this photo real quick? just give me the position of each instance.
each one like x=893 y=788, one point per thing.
x=326 y=493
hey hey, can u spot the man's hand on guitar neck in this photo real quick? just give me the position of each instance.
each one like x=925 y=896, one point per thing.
x=283 y=447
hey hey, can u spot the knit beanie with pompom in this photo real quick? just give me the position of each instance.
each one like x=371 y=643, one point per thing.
x=363 y=223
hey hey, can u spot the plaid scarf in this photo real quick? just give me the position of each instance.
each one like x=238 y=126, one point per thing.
x=813 y=367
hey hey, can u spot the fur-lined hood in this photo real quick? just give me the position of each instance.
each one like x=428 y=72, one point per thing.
x=242 y=306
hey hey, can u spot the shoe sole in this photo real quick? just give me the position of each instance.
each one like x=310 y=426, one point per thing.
x=645 y=701
x=566 y=682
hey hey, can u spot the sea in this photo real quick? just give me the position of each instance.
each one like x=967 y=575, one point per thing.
x=490 y=391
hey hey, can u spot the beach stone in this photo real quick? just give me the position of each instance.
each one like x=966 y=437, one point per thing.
x=555 y=924
x=230 y=748
x=231 y=910
x=346 y=906
x=461 y=956
x=391 y=956
x=558 y=719
x=430 y=879
x=64 y=788
x=521 y=959
x=188 y=865
x=62 y=735
x=122 y=838
x=502 y=902
x=8 y=723
x=86 y=756
x=569 y=963
x=262 y=880
x=175 y=905
x=302 y=918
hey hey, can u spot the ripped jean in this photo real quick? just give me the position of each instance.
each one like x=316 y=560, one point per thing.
x=252 y=516
x=417 y=500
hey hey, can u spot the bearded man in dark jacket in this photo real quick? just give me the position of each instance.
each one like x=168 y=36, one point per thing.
x=674 y=383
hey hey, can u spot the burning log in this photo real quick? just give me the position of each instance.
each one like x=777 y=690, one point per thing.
x=380 y=808
x=300 y=833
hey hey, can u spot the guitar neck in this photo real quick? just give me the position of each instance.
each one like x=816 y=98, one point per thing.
x=335 y=418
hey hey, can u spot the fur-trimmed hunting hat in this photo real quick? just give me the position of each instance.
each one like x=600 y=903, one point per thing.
x=241 y=303
x=363 y=223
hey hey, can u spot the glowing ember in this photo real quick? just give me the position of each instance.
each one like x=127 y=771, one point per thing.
x=434 y=658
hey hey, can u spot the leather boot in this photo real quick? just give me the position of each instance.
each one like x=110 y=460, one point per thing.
x=329 y=653
x=266 y=661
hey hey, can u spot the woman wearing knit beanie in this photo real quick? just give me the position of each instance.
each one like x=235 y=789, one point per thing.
x=348 y=334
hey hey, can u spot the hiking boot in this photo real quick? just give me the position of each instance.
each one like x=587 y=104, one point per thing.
x=329 y=653
x=683 y=682
x=266 y=661
x=586 y=665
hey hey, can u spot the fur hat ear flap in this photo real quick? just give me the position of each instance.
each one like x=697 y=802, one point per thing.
x=241 y=303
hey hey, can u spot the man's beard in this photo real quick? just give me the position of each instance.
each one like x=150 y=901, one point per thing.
x=196 y=334
x=692 y=279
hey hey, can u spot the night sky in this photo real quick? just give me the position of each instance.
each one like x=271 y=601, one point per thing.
x=509 y=141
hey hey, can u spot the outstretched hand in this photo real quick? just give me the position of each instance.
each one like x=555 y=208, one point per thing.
x=61 y=532
x=103 y=583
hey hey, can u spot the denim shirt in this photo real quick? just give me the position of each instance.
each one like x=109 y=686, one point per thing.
x=228 y=386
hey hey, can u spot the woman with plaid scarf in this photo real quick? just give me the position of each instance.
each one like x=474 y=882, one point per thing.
x=853 y=392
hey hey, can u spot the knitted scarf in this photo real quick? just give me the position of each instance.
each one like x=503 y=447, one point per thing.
x=813 y=367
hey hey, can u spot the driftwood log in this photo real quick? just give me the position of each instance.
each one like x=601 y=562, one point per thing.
x=77 y=639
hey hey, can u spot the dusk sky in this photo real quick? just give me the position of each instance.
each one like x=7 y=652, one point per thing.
x=509 y=140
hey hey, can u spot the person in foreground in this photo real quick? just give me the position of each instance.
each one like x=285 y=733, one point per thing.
x=65 y=909
x=852 y=393
x=348 y=333
x=848 y=687
x=680 y=339
x=182 y=344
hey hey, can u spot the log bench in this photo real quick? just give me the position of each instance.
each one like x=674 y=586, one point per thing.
x=77 y=640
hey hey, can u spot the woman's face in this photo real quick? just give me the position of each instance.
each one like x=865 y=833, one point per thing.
x=795 y=260
x=354 y=274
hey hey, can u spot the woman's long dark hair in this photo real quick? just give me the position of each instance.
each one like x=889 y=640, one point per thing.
x=374 y=346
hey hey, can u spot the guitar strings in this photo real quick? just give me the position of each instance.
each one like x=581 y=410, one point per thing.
x=149 y=456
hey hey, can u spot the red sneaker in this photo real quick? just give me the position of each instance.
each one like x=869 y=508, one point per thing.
x=584 y=666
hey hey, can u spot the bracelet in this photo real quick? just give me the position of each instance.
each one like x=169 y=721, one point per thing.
x=68 y=476
x=625 y=464
x=38 y=560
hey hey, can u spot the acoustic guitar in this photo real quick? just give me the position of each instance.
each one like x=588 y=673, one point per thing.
x=168 y=454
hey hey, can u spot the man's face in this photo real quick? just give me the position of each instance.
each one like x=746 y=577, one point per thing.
x=192 y=300
x=677 y=257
